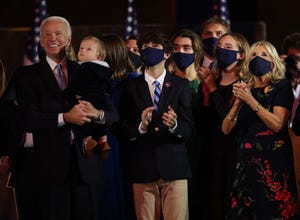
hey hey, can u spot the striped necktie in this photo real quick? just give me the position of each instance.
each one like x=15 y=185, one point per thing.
x=156 y=94
x=60 y=77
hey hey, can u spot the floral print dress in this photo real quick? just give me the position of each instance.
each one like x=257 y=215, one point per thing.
x=264 y=186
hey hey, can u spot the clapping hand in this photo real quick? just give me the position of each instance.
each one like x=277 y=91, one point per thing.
x=169 y=118
x=241 y=91
x=146 y=117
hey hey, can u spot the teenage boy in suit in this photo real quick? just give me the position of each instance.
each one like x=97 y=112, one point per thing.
x=156 y=132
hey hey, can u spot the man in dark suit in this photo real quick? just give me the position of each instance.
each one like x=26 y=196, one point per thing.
x=156 y=132
x=53 y=179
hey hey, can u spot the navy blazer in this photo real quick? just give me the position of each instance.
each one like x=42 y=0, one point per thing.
x=157 y=153
x=41 y=101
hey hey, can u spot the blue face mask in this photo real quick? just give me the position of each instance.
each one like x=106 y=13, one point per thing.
x=152 y=56
x=226 y=57
x=183 y=60
x=135 y=59
x=209 y=45
x=259 y=66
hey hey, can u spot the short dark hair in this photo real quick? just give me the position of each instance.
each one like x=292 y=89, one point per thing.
x=291 y=41
x=157 y=38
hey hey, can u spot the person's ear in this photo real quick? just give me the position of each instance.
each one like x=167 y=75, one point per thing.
x=167 y=55
x=241 y=56
x=68 y=42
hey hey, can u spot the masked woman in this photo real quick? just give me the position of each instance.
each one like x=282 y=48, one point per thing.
x=264 y=185
x=215 y=99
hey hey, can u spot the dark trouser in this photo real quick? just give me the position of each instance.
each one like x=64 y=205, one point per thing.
x=72 y=200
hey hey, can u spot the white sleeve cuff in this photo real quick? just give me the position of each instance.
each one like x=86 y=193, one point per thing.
x=142 y=131
x=172 y=130
x=61 y=121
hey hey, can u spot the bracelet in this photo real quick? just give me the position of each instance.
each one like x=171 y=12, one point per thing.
x=257 y=107
x=231 y=118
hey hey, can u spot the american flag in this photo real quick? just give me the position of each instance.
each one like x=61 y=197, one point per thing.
x=33 y=38
x=220 y=9
x=131 y=20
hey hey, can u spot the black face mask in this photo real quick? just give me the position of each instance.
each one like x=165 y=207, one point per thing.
x=209 y=45
x=259 y=66
x=135 y=59
x=183 y=60
x=152 y=56
x=225 y=57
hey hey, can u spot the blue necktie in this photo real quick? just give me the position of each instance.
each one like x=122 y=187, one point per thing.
x=156 y=94
x=60 y=77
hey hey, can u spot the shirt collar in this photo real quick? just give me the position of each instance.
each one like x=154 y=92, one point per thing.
x=206 y=61
x=149 y=79
x=100 y=62
x=53 y=64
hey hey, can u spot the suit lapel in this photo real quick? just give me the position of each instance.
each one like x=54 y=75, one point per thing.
x=143 y=90
x=165 y=94
x=71 y=67
x=49 y=78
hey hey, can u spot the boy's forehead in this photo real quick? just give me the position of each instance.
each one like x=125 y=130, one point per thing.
x=152 y=42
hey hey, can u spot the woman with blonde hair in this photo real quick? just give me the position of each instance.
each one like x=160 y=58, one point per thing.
x=264 y=185
x=216 y=99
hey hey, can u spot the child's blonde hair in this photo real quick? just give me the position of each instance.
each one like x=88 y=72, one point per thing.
x=100 y=46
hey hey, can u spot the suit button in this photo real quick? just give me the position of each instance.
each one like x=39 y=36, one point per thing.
x=133 y=139
x=156 y=129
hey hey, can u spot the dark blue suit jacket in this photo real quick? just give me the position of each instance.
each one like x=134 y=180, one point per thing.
x=41 y=101
x=157 y=153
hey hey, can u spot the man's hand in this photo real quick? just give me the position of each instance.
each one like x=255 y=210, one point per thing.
x=89 y=109
x=77 y=115
x=169 y=118
x=146 y=117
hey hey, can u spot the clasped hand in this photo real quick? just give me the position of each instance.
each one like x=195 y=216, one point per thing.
x=81 y=113
x=242 y=91
x=208 y=79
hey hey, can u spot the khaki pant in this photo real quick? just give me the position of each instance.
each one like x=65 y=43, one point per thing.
x=167 y=197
